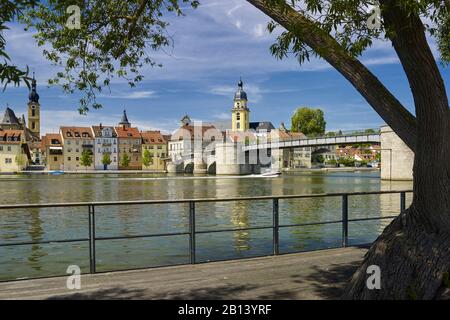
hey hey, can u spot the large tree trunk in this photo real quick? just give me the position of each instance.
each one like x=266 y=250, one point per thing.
x=413 y=252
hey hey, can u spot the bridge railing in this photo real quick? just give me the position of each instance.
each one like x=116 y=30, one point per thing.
x=314 y=141
x=93 y=239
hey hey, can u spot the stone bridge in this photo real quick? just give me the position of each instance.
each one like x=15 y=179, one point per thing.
x=233 y=158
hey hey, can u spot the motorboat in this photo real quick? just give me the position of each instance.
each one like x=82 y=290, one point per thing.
x=271 y=174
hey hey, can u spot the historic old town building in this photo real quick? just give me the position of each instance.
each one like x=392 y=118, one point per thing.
x=240 y=114
x=52 y=151
x=192 y=147
x=130 y=149
x=77 y=140
x=106 y=148
x=154 y=151
x=29 y=134
x=14 y=152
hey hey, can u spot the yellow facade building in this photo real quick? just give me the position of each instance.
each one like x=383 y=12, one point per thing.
x=52 y=150
x=14 y=153
x=154 y=146
x=240 y=118
x=75 y=140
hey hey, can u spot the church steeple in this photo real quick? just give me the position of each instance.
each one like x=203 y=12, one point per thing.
x=33 y=96
x=124 y=121
x=34 y=110
x=240 y=118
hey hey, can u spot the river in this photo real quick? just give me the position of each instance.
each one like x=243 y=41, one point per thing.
x=62 y=223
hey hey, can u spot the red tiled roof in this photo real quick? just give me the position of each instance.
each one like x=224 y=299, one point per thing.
x=48 y=138
x=9 y=134
x=98 y=130
x=124 y=132
x=76 y=132
x=153 y=137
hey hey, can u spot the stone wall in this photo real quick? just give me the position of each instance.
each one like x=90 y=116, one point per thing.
x=397 y=159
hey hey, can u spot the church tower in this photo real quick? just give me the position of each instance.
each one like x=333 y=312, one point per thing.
x=240 y=115
x=34 y=111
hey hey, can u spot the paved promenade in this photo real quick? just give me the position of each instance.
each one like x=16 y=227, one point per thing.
x=311 y=275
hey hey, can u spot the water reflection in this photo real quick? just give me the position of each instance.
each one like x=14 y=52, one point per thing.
x=240 y=220
x=45 y=224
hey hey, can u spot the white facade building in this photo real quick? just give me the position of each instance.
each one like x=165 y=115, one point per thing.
x=106 y=144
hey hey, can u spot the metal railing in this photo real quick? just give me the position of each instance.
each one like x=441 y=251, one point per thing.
x=192 y=232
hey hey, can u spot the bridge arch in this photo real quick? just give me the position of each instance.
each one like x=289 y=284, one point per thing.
x=189 y=167
x=212 y=168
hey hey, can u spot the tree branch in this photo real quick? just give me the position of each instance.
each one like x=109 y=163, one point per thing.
x=367 y=84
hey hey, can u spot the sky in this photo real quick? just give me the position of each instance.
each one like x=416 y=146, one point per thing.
x=214 y=46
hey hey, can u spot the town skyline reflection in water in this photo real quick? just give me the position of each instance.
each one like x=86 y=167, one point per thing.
x=29 y=225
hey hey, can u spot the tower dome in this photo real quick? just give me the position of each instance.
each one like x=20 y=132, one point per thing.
x=240 y=93
x=33 y=96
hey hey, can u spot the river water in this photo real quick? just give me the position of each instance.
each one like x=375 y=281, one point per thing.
x=71 y=223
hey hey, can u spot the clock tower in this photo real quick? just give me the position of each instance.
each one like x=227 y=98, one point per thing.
x=34 y=111
x=240 y=115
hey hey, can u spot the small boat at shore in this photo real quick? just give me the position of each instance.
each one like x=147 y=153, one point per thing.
x=57 y=172
x=271 y=174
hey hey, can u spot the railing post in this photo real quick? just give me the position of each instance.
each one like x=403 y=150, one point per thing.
x=344 y=220
x=276 y=227
x=92 y=264
x=402 y=202
x=192 y=232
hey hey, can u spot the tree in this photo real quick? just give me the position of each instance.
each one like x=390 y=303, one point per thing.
x=412 y=252
x=106 y=160
x=347 y=161
x=317 y=158
x=146 y=158
x=86 y=158
x=125 y=162
x=20 y=160
x=338 y=32
x=11 y=73
x=369 y=131
x=113 y=40
x=378 y=157
x=308 y=121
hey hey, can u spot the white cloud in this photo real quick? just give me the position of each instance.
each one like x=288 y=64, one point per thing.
x=130 y=95
x=253 y=91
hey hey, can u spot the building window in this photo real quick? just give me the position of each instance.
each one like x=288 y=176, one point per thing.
x=238 y=116
x=69 y=158
x=9 y=148
x=238 y=125
x=33 y=111
x=1 y=148
x=8 y=160
x=77 y=158
x=55 y=158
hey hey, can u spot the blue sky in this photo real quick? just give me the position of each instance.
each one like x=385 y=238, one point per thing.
x=214 y=46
